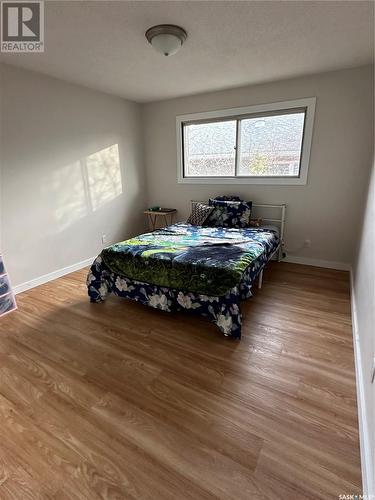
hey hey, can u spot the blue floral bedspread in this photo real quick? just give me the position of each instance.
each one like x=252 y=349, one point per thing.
x=206 y=271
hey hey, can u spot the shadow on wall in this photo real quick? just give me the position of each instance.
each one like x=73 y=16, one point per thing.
x=89 y=182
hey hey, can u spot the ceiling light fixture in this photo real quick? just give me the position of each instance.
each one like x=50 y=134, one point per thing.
x=166 y=38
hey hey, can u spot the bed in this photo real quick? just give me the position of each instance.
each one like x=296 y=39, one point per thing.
x=203 y=270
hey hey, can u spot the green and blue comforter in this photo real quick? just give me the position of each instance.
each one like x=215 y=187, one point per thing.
x=206 y=260
x=203 y=270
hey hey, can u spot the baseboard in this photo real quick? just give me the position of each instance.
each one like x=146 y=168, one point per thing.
x=329 y=264
x=51 y=276
x=364 y=436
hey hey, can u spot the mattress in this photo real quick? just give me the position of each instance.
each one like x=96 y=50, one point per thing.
x=204 y=260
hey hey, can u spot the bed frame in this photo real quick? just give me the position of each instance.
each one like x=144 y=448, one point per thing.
x=224 y=311
x=259 y=209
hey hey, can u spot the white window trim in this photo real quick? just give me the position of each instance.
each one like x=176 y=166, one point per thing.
x=308 y=103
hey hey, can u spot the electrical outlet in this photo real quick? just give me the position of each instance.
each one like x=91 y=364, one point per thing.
x=373 y=371
x=104 y=238
x=307 y=243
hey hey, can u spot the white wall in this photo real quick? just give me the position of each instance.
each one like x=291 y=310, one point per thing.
x=54 y=206
x=54 y=209
x=329 y=205
x=1 y=150
x=364 y=321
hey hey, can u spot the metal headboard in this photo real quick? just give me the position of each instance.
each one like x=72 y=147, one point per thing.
x=281 y=220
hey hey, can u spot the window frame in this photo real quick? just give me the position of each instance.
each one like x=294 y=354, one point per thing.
x=238 y=114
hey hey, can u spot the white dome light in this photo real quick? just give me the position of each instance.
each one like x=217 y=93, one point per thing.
x=166 y=38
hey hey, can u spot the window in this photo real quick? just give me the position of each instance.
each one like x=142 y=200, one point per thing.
x=267 y=144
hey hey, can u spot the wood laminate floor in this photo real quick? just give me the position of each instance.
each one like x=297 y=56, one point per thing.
x=119 y=401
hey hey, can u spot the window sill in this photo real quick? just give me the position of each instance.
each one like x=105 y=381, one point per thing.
x=276 y=181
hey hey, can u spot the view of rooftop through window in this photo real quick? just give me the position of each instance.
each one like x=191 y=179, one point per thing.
x=268 y=146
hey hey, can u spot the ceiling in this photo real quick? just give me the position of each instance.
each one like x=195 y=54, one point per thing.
x=101 y=44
